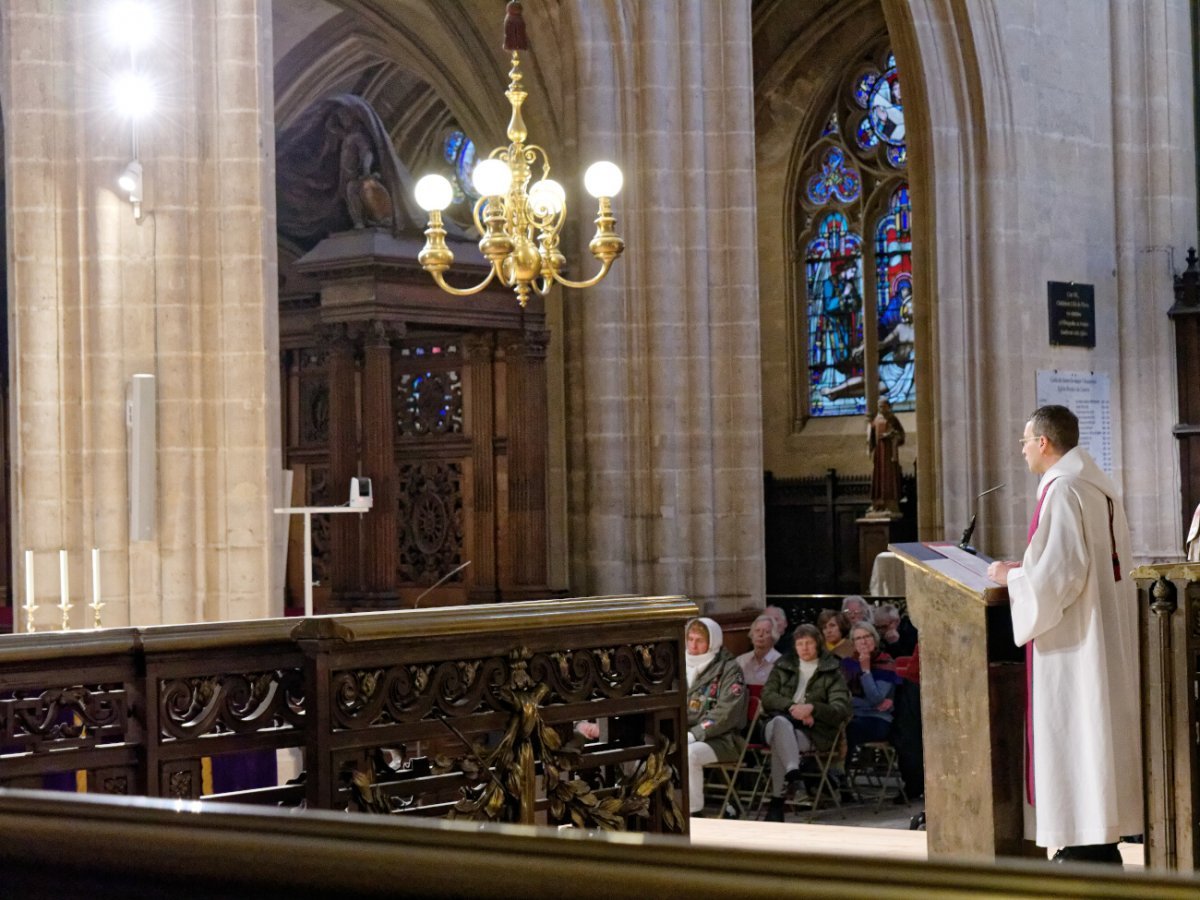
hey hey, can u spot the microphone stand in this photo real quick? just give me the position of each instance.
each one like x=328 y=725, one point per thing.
x=965 y=542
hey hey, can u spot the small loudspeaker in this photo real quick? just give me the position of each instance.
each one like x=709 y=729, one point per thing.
x=360 y=493
x=143 y=469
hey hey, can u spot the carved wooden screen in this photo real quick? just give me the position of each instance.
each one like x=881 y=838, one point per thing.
x=433 y=466
x=306 y=435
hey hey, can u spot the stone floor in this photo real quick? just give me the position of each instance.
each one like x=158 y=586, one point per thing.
x=856 y=829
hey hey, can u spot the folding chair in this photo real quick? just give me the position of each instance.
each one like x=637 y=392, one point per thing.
x=825 y=760
x=751 y=761
x=874 y=765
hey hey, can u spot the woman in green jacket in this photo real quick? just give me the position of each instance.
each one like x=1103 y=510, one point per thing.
x=716 y=703
x=808 y=700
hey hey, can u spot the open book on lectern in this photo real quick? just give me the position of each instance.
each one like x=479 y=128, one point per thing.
x=968 y=569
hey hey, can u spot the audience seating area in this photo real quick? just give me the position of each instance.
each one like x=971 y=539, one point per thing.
x=870 y=777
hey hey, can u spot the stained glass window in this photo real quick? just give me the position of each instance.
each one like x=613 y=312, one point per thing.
x=894 y=298
x=852 y=184
x=834 y=180
x=833 y=272
x=459 y=151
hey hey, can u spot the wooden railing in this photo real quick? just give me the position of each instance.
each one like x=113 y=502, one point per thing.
x=1169 y=614
x=494 y=689
x=112 y=849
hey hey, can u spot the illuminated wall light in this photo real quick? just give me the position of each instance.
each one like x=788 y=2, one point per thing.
x=130 y=181
x=134 y=95
x=132 y=24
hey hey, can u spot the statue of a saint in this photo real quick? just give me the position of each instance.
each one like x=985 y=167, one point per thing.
x=1192 y=544
x=885 y=434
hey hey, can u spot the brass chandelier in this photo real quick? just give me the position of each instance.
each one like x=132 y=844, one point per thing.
x=520 y=222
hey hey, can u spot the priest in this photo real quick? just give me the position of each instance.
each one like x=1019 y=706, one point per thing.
x=1074 y=609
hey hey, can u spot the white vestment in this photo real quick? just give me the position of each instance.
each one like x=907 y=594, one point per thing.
x=1086 y=685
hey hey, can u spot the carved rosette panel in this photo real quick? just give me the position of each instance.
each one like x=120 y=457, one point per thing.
x=48 y=719
x=231 y=703
x=182 y=783
x=431 y=517
x=115 y=784
x=122 y=781
x=366 y=698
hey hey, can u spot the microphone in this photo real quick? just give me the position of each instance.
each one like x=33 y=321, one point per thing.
x=965 y=542
x=440 y=582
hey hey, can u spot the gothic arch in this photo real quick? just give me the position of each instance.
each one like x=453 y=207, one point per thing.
x=955 y=82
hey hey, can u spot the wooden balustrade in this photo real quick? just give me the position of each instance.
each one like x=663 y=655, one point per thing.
x=495 y=688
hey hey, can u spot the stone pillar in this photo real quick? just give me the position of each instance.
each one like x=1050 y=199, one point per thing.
x=345 y=542
x=187 y=294
x=379 y=539
x=663 y=390
x=479 y=391
x=525 y=357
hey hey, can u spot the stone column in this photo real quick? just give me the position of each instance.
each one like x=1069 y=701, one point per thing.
x=379 y=540
x=188 y=294
x=664 y=396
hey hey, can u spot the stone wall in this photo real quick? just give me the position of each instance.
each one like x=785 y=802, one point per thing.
x=186 y=294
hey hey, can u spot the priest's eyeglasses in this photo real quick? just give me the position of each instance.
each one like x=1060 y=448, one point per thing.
x=1025 y=440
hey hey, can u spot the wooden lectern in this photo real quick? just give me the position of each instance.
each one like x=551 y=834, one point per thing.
x=972 y=704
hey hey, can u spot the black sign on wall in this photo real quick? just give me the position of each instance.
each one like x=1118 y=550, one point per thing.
x=1072 y=314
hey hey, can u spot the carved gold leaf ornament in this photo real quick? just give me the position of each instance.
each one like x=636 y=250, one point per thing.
x=527 y=737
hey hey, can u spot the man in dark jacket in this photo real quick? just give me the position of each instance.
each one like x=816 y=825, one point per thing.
x=808 y=700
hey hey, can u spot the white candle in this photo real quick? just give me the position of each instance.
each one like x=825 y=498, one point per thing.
x=95 y=575
x=62 y=577
x=29 y=604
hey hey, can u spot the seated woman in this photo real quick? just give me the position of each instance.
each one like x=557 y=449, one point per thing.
x=835 y=627
x=808 y=700
x=872 y=678
x=757 y=663
x=856 y=609
x=716 y=705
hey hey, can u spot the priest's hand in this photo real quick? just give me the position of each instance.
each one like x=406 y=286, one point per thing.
x=998 y=571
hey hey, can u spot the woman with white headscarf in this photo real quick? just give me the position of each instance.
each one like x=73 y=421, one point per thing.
x=716 y=705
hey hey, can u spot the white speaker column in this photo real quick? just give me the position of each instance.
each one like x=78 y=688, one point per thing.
x=143 y=466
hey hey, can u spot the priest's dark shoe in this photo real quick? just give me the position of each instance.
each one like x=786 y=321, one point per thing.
x=775 y=810
x=1095 y=853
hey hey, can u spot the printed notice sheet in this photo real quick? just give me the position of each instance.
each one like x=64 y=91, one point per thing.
x=1087 y=395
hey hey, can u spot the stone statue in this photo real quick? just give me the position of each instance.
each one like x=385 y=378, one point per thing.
x=885 y=434
x=1192 y=544
x=367 y=200
x=336 y=169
